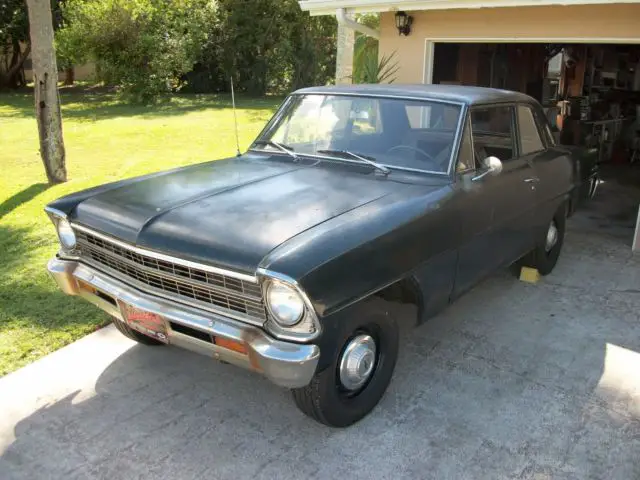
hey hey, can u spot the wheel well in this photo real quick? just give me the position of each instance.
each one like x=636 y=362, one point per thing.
x=404 y=291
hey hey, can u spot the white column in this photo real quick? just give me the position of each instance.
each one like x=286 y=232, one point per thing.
x=344 y=54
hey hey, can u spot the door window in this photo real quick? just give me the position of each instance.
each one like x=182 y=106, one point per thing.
x=465 y=156
x=493 y=133
x=530 y=141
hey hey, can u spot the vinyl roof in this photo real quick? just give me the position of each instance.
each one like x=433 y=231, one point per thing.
x=452 y=93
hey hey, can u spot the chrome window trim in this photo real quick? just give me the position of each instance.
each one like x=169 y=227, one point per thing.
x=456 y=138
x=340 y=159
x=167 y=258
x=467 y=122
x=381 y=95
x=278 y=331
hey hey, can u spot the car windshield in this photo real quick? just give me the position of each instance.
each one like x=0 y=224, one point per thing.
x=392 y=132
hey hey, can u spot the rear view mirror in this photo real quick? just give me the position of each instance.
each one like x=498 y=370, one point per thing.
x=361 y=115
x=492 y=166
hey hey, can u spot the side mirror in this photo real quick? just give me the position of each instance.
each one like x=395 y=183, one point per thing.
x=492 y=165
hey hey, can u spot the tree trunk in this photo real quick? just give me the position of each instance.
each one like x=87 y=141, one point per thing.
x=45 y=86
x=13 y=78
x=69 y=76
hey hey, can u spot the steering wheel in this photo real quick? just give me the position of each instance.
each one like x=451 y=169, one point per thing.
x=415 y=149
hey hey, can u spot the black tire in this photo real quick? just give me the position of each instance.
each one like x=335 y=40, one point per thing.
x=325 y=401
x=541 y=259
x=133 y=335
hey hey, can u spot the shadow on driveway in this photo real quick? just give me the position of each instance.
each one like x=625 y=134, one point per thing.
x=507 y=382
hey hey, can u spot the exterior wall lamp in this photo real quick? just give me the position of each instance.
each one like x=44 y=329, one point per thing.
x=403 y=23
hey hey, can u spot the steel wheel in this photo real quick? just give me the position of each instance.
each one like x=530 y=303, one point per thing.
x=357 y=363
x=360 y=369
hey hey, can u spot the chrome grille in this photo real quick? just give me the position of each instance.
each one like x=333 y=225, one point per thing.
x=222 y=292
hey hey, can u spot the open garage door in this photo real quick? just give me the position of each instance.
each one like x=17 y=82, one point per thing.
x=591 y=94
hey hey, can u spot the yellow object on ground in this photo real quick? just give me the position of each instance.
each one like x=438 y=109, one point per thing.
x=530 y=275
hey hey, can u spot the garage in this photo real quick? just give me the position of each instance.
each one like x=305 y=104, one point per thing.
x=581 y=60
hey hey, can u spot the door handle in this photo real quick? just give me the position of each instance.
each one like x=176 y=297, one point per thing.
x=531 y=180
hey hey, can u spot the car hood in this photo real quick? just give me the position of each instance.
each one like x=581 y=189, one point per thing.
x=229 y=213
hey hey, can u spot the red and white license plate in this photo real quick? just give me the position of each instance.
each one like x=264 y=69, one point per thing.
x=148 y=323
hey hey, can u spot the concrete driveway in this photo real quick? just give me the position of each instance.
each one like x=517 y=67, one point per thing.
x=513 y=381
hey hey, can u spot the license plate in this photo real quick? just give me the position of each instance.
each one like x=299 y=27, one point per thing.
x=148 y=323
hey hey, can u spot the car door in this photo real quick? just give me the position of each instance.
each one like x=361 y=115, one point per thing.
x=496 y=210
x=534 y=150
x=554 y=167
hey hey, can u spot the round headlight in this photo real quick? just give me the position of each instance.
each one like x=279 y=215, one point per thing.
x=66 y=234
x=285 y=304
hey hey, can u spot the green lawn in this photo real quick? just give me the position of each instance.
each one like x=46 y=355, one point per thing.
x=105 y=140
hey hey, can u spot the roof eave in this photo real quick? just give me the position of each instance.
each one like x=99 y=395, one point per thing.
x=328 y=7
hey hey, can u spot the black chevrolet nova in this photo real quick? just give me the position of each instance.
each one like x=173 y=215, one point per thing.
x=280 y=260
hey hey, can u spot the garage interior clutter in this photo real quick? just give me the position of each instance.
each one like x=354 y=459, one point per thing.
x=590 y=93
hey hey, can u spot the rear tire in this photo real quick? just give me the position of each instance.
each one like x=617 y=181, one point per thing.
x=133 y=335
x=326 y=399
x=545 y=257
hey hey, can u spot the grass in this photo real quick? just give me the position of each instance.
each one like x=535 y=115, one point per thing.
x=105 y=140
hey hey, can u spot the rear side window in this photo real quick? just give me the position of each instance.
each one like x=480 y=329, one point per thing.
x=530 y=141
x=433 y=116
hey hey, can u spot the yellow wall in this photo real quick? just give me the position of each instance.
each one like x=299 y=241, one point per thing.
x=83 y=73
x=613 y=21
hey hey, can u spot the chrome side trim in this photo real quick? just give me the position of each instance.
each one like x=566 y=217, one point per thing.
x=55 y=212
x=277 y=330
x=167 y=258
x=286 y=364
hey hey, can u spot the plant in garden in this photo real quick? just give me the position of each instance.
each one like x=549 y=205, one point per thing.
x=143 y=46
x=374 y=70
x=368 y=67
x=268 y=46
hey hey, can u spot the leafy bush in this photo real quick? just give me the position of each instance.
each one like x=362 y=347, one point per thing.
x=148 y=47
x=268 y=46
x=143 y=46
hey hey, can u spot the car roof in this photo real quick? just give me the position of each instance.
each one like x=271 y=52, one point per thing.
x=452 y=93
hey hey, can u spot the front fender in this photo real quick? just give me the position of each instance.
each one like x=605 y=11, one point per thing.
x=360 y=252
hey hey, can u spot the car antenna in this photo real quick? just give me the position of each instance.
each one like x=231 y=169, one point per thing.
x=235 y=119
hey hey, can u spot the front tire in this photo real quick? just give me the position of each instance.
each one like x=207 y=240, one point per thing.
x=356 y=380
x=545 y=256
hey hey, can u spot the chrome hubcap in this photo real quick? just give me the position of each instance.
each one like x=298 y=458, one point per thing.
x=552 y=236
x=357 y=362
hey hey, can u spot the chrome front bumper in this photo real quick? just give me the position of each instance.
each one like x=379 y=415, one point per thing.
x=286 y=364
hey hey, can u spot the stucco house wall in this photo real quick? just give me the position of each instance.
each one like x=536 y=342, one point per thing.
x=612 y=23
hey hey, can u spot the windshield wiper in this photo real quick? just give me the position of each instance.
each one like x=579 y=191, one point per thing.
x=362 y=158
x=280 y=146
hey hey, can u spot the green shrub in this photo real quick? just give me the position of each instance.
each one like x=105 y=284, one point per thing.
x=142 y=46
